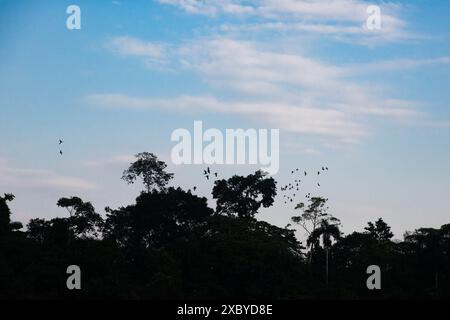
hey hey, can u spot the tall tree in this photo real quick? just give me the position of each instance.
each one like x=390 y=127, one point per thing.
x=313 y=216
x=243 y=196
x=150 y=169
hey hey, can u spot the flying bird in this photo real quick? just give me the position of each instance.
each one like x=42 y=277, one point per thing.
x=60 y=141
x=60 y=152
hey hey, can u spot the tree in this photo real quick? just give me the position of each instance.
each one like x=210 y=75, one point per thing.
x=326 y=231
x=150 y=169
x=83 y=219
x=313 y=216
x=5 y=215
x=243 y=196
x=380 y=231
x=156 y=219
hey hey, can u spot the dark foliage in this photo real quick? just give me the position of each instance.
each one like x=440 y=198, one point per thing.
x=171 y=245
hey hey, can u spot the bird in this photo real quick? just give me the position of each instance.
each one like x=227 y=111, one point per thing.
x=195 y=188
x=305 y=173
x=215 y=173
x=326 y=168
x=60 y=152
x=60 y=141
x=318 y=172
x=207 y=177
x=208 y=170
x=318 y=184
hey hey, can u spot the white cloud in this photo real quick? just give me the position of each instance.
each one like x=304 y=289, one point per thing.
x=37 y=178
x=153 y=53
x=283 y=89
x=397 y=65
x=330 y=17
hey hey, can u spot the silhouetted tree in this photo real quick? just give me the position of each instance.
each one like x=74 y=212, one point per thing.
x=83 y=219
x=157 y=218
x=313 y=216
x=243 y=196
x=5 y=214
x=379 y=231
x=150 y=169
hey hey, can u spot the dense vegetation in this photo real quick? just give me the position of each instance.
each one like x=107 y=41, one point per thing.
x=171 y=245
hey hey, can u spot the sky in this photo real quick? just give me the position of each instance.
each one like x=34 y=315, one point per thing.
x=372 y=105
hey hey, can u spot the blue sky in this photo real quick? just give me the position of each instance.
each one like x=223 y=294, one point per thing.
x=370 y=104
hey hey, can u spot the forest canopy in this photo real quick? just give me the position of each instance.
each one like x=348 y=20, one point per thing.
x=170 y=244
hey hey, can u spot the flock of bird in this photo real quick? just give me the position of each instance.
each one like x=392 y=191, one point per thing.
x=292 y=189
x=60 y=150
x=207 y=173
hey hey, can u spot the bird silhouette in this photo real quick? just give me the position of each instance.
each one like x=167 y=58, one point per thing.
x=208 y=170
x=305 y=173
x=215 y=173
x=60 y=141
x=195 y=188
x=60 y=152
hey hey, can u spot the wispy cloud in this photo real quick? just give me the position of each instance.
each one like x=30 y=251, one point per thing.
x=339 y=18
x=283 y=89
x=152 y=53
x=37 y=178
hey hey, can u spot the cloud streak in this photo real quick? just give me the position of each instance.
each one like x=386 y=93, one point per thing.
x=324 y=17
x=36 y=178
x=283 y=89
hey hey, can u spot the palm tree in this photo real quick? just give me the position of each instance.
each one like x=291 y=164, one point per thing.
x=326 y=231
